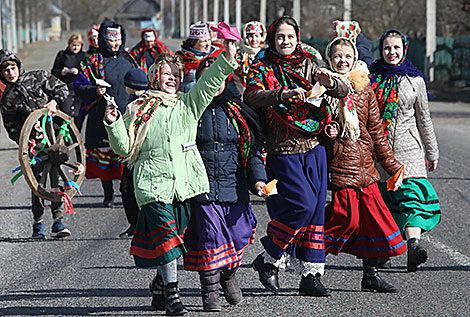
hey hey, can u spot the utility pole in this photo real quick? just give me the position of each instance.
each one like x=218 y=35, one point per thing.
x=162 y=18
x=188 y=18
x=296 y=10
x=173 y=11
x=216 y=11
x=430 y=37
x=238 y=14
x=14 y=44
x=182 y=28
x=227 y=11
x=196 y=11
x=347 y=10
x=204 y=11
x=262 y=11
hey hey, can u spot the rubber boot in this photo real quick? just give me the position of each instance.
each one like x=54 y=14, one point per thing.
x=156 y=289
x=210 y=285
x=173 y=304
x=371 y=281
x=229 y=283
x=416 y=255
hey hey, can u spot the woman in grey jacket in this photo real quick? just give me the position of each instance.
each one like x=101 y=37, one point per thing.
x=402 y=96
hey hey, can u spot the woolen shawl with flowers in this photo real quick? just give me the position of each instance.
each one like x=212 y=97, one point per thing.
x=141 y=111
x=384 y=80
x=345 y=108
x=274 y=71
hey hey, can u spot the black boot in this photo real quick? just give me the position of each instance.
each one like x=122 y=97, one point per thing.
x=173 y=304
x=384 y=263
x=268 y=274
x=229 y=283
x=416 y=255
x=108 y=193
x=312 y=286
x=210 y=286
x=371 y=281
x=156 y=288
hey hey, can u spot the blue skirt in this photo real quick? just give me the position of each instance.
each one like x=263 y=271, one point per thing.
x=298 y=212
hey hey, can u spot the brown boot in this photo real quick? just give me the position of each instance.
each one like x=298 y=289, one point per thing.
x=210 y=288
x=229 y=283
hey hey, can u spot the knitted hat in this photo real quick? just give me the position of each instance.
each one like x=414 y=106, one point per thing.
x=198 y=30
x=112 y=33
x=149 y=36
x=136 y=79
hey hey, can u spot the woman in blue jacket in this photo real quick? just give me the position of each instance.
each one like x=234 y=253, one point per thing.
x=222 y=223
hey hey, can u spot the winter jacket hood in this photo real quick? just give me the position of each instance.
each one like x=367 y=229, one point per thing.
x=104 y=47
x=6 y=55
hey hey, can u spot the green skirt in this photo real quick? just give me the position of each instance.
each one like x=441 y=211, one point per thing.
x=159 y=233
x=414 y=204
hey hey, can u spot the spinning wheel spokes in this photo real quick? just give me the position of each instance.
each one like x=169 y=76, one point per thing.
x=64 y=146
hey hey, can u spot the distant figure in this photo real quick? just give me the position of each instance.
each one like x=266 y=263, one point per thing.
x=195 y=48
x=102 y=75
x=93 y=40
x=66 y=67
x=254 y=35
x=146 y=51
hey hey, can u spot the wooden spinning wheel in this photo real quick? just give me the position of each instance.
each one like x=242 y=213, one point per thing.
x=63 y=147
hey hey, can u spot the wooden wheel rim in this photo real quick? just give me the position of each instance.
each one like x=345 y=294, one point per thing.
x=24 y=155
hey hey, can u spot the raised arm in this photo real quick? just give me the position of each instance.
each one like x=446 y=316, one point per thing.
x=200 y=96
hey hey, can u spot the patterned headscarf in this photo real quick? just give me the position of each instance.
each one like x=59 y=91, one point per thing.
x=154 y=74
x=348 y=29
x=384 y=80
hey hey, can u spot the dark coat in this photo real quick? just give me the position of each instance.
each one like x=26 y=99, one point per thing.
x=116 y=65
x=351 y=164
x=364 y=49
x=65 y=58
x=217 y=141
x=31 y=92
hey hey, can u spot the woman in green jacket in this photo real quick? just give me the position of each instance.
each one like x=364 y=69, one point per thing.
x=157 y=135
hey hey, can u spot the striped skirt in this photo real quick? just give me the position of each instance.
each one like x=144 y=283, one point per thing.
x=297 y=212
x=414 y=204
x=358 y=222
x=103 y=164
x=158 y=236
x=217 y=235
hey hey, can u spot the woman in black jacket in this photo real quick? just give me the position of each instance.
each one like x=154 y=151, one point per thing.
x=222 y=223
x=66 y=68
x=102 y=74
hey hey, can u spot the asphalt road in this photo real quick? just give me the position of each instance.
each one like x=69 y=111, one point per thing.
x=92 y=273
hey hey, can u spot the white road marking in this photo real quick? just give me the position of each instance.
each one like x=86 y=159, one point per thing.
x=455 y=255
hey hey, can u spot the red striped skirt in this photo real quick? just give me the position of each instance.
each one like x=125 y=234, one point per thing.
x=358 y=222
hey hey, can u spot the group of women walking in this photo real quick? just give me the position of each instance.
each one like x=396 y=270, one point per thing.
x=216 y=123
